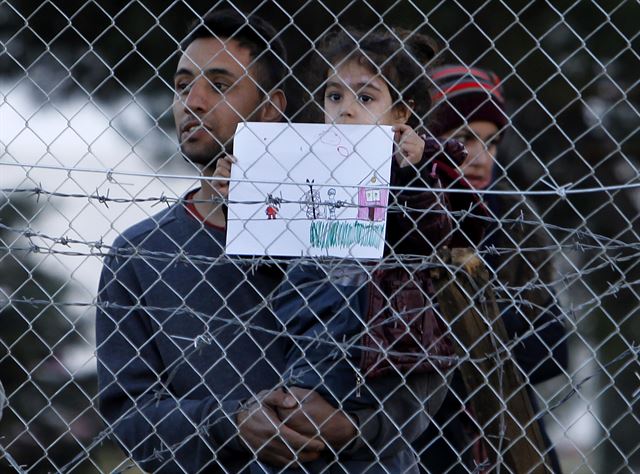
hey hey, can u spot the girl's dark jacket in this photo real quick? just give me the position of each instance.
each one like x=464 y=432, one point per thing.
x=404 y=333
x=389 y=319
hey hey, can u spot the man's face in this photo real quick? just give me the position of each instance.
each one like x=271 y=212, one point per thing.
x=215 y=89
x=480 y=138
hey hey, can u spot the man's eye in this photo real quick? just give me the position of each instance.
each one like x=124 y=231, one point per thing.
x=183 y=86
x=220 y=86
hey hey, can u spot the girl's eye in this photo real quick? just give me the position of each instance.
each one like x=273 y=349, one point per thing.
x=365 y=99
x=494 y=140
x=333 y=96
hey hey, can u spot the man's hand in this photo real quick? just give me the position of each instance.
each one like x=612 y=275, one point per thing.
x=223 y=170
x=273 y=441
x=306 y=412
x=410 y=145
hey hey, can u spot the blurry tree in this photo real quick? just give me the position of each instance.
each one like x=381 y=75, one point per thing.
x=50 y=414
x=570 y=70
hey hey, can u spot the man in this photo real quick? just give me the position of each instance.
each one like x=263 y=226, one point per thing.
x=469 y=106
x=188 y=351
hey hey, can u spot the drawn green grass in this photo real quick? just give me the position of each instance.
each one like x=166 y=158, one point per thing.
x=340 y=234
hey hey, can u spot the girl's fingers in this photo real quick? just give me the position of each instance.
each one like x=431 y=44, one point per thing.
x=410 y=144
x=399 y=132
x=401 y=128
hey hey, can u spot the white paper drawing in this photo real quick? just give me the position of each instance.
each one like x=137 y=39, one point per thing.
x=309 y=190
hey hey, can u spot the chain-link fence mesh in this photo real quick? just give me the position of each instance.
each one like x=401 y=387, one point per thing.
x=453 y=352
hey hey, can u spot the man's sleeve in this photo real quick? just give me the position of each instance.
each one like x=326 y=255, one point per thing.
x=161 y=432
x=402 y=417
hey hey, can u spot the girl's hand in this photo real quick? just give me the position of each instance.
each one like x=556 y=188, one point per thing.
x=410 y=145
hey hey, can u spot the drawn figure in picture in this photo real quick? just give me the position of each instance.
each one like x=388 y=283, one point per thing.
x=273 y=207
x=311 y=203
x=372 y=200
x=332 y=203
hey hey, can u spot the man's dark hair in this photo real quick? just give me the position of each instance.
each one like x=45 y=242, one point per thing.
x=251 y=32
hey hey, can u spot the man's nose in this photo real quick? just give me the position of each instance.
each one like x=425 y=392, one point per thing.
x=197 y=99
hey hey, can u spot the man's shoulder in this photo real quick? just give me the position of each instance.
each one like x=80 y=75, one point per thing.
x=146 y=228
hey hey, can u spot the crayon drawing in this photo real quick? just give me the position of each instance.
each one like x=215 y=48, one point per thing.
x=309 y=190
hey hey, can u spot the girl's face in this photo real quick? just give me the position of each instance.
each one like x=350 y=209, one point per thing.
x=355 y=95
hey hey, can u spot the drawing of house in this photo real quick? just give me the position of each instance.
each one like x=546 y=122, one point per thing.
x=373 y=196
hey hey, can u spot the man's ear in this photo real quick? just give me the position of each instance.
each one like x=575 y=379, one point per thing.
x=402 y=111
x=273 y=107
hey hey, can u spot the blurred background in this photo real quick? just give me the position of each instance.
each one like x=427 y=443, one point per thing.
x=86 y=89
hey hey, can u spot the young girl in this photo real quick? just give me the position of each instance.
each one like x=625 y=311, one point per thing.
x=365 y=336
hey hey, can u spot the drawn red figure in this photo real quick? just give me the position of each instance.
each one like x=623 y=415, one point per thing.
x=271 y=212
x=273 y=206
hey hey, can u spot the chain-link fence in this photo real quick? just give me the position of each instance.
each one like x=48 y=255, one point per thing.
x=333 y=309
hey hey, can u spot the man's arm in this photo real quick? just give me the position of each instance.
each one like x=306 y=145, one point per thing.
x=369 y=433
x=159 y=430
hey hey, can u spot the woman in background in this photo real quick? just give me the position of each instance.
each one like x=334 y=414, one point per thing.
x=469 y=107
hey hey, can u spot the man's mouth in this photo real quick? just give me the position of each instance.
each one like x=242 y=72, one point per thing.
x=193 y=131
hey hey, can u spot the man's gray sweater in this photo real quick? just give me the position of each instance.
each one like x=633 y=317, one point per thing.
x=184 y=335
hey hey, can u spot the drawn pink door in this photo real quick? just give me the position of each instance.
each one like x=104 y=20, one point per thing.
x=372 y=203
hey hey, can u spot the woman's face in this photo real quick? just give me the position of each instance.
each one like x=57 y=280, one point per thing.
x=355 y=95
x=480 y=138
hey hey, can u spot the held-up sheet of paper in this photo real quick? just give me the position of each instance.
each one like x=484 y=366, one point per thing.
x=309 y=190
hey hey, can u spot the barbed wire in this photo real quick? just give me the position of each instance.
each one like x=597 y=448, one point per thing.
x=504 y=350
x=512 y=295
x=253 y=262
x=105 y=199
x=561 y=191
x=578 y=234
